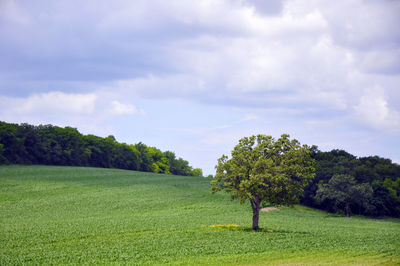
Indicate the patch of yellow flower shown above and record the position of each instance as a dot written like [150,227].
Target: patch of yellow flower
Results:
[224,225]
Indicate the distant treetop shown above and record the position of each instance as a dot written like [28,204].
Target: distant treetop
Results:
[53,145]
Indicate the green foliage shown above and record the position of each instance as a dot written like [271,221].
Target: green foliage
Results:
[178,166]
[52,145]
[92,216]
[197,172]
[265,169]
[3,160]
[379,173]
[344,191]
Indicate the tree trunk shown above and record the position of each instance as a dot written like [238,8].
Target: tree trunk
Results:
[347,209]
[255,205]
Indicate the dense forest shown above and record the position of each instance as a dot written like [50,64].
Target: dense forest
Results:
[373,184]
[53,145]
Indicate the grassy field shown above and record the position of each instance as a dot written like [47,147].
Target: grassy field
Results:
[72,215]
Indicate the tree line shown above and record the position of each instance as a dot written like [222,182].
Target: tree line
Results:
[342,183]
[53,145]
[358,185]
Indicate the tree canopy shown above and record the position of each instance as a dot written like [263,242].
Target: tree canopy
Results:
[344,191]
[264,169]
[52,145]
[380,174]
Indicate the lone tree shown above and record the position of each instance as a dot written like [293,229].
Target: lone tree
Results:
[265,169]
[344,191]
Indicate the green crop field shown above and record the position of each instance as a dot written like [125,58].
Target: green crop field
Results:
[72,215]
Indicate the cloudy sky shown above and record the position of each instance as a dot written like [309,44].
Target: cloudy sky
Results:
[195,76]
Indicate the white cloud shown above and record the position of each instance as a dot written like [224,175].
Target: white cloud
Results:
[54,102]
[380,61]
[57,108]
[373,109]
[363,24]
[311,56]
[118,108]
[211,50]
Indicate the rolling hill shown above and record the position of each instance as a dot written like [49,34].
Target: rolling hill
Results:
[78,215]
